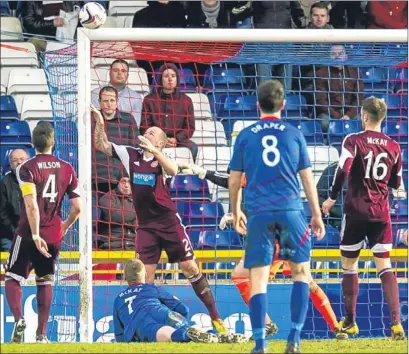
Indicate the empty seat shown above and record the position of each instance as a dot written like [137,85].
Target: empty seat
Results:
[15,54]
[15,133]
[36,107]
[54,45]
[214,158]
[237,106]
[125,8]
[8,108]
[311,130]
[11,30]
[322,156]
[222,79]
[187,80]
[220,239]
[209,133]
[138,80]
[200,214]
[5,157]
[189,188]
[397,130]
[295,107]
[179,154]
[340,128]
[5,9]
[99,77]
[238,126]
[25,82]
[111,22]
[375,79]
[201,105]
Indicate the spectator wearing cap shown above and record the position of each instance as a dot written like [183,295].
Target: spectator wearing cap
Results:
[387,14]
[129,100]
[10,200]
[170,110]
[121,129]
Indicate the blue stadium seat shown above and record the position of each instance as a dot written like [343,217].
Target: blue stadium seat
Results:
[295,107]
[375,79]
[189,187]
[399,209]
[405,156]
[5,152]
[222,79]
[311,129]
[331,239]
[239,107]
[200,214]
[5,8]
[15,133]
[339,128]
[8,108]
[397,130]
[397,233]
[220,239]
[194,235]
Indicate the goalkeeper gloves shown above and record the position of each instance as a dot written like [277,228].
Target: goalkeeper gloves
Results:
[191,169]
[226,219]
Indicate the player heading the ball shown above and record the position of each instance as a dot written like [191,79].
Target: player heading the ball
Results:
[44,180]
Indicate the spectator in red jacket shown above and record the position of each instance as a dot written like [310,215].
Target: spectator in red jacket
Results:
[388,14]
[170,110]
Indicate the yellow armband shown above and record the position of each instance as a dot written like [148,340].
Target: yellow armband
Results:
[28,189]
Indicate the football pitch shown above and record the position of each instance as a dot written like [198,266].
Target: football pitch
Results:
[375,345]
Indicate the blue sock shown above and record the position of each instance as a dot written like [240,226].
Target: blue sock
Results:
[180,335]
[299,307]
[258,310]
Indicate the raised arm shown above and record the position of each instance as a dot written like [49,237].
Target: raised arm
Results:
[101,140]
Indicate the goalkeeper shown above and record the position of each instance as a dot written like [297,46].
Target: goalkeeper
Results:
[241,275]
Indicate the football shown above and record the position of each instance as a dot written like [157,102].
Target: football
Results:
[92,15]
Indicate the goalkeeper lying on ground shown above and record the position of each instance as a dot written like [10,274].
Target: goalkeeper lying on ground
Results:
[147,313]
[241,276]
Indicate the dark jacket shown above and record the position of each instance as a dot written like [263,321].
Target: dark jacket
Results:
[10,201]
[32,18]
[338,91]
[156,14]
[122,130]
[276,14]
[388,14]
[173,113]
[196,18]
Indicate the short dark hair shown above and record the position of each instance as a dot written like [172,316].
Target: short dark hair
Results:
[108,89]
[43,136]
[121,61]
[270,96]
[375,108]
[320,5]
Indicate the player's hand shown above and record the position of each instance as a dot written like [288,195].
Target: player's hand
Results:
[318,227]
[327,205]
[58,22]
[191,169]
[240,223]
[41,246]
[172,142]
[64,228]
[97,115]
[226,220]
[145,144]
[405,237]
[345,117]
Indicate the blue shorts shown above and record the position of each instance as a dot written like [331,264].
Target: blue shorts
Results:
[288,227]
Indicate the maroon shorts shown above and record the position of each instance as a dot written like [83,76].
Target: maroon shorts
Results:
[167,235]
[24,256]
[354,232]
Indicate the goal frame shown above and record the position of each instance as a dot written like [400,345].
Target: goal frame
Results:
[84,38]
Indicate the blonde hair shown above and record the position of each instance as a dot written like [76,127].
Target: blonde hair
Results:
[134,270]
[375,108]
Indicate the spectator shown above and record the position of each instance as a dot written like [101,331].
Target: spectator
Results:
[117,223]
[387,14]
[170,110]
[129,100]
[209,14]
[319,16]
[121,129]
[276,14]
[10,199]
[161,13]
[305,6]
[41,18]
[338,89]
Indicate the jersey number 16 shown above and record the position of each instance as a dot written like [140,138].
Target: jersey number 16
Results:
[377,166]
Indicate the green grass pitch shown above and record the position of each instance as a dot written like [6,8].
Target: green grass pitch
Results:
[375,345]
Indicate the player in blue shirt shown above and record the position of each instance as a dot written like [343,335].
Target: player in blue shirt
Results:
[147,313]
[271,153]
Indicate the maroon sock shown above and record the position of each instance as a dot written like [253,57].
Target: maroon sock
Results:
[13,295]
[44,298]
[201,287]
[391,292]
[350,290]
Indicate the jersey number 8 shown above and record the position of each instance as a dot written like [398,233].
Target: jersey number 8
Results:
[269,143]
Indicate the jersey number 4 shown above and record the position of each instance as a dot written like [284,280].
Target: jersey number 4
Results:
[49,190]
[270,150]
[379,169]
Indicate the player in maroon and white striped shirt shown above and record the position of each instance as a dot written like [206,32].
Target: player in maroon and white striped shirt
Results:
[372,162]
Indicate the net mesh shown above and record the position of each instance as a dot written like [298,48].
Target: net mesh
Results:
[221,81]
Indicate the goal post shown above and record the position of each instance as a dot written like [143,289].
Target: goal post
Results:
[85,40]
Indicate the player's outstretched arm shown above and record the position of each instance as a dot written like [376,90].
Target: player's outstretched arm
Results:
[101,140]
[75,212]
[307,179]
[218,178]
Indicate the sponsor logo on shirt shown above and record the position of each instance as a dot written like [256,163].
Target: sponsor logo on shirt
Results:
[145,179]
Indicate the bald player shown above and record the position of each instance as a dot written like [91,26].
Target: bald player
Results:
[160,227]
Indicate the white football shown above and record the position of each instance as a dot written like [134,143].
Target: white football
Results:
[92,15]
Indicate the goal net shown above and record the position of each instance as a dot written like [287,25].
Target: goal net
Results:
[326,77]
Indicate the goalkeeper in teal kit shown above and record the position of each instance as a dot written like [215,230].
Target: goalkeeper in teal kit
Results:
[271,153]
